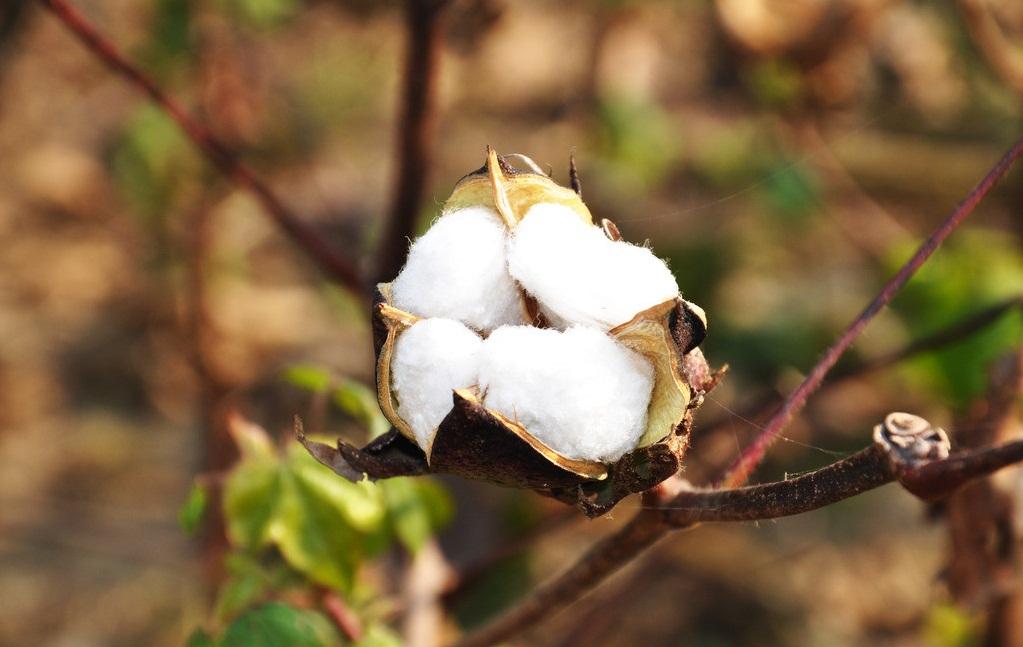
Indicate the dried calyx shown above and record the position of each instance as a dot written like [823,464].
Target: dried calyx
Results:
[523,345]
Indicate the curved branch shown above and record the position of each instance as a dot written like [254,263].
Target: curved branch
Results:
[740,470]
[913,460]
[326,258]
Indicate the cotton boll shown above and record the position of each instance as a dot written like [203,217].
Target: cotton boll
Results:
[579,275]
[431,359]
[458,270]
[580,392]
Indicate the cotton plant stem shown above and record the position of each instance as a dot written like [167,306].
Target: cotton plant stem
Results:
[333,265]
[415,137]
[865,470]
[740,470]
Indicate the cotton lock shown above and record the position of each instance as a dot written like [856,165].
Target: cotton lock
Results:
[458,270]
[431,359]
[579,392]
[579,275]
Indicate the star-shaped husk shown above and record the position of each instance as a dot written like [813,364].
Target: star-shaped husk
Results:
[477,443]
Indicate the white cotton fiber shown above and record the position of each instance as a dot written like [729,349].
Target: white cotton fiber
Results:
[579,275]
[580,392]
[458,270]
[431,359]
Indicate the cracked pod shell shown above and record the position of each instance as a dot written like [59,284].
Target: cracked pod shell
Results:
[477,443]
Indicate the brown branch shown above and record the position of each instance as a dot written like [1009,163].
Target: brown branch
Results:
[343,617]
[601,560]
[915,458]
[947,336]
[326,258]
[416,136]
[743,466]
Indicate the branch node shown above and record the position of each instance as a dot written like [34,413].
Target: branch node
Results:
[910,442]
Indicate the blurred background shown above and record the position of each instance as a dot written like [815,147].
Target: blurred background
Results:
[786,157]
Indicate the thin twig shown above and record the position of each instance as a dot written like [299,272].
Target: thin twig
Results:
[329,261]
[603,559]
[956,332]
[416,136]
[867,469]
[749,459]
[942,338]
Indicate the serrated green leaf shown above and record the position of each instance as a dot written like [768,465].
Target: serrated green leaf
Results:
[279,625]
[322,525]
[360,504]
[191,513]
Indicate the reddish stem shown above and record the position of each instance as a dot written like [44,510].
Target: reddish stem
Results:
[330,262]
[740,470]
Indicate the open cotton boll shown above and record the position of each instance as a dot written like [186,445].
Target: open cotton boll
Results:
[431,359]
[580,392]
[579,275]
[458,270]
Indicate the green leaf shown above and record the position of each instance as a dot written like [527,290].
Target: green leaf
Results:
[192,511]
[308,377]
[322,525]
[415,508]
[248,580]
[200,638]
[171,43]
[635,141]
[251,500]
[791,191]
[360,402]
[972,271]
[279,625]
[151,160]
